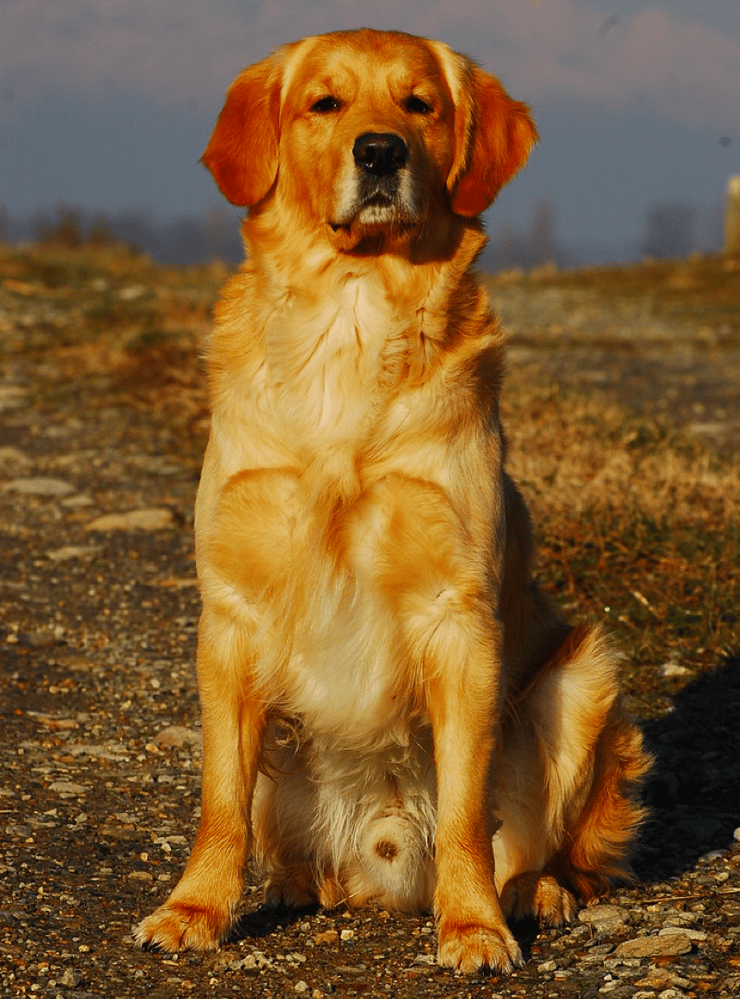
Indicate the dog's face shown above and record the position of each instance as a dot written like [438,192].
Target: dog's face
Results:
[376,126]
[364,132]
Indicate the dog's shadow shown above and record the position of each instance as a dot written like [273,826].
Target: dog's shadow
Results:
[265,920]
[693,792]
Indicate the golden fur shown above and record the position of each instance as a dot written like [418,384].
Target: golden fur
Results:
[390,704]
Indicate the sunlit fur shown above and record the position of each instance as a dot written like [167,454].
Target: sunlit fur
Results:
[393,712]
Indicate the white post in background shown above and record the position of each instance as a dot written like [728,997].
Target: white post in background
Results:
[732,217]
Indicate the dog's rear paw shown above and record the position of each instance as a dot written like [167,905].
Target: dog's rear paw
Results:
[533,894]
[176,927]
[470,948]
[293,888]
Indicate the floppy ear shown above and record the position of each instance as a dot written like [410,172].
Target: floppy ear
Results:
[242,153]
[493,136]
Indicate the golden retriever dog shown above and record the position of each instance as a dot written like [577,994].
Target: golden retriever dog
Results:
[393,712]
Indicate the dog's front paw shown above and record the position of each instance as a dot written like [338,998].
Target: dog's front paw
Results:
[470,948]
[176,927]
[532,894]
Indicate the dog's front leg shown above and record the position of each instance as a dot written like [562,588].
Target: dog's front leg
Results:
[462,703]
[425,560]
[202,907]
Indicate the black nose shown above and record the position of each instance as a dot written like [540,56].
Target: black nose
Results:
[380,152]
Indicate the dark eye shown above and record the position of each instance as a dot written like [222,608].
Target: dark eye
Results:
[325,105]
[416,106]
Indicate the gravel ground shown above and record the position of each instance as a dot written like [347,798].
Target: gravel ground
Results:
[100,764]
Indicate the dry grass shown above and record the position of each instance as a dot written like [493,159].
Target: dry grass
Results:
[703,290]
[635,524]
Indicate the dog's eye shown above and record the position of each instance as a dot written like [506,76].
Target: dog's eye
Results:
[325,105]
[416,106]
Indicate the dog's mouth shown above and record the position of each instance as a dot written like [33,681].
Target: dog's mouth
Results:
[377,211]
[380,203]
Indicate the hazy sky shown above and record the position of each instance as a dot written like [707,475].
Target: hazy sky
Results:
[109,103]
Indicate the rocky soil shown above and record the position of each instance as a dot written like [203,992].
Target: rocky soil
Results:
[102,427]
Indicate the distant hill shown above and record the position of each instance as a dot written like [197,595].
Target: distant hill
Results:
[671,231]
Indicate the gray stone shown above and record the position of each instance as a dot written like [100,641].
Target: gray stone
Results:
[654,946]
[148,519]
[39,486]
[604,917]
[178,736]
[68,788]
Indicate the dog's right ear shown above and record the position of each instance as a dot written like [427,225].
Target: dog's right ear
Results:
[242,153]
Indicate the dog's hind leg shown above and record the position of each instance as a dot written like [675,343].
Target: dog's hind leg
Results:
[283,814]
[566,778]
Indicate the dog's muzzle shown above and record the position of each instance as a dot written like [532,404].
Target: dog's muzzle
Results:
[381,192]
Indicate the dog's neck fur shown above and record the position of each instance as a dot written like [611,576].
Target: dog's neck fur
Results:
[377,288]
[322,343]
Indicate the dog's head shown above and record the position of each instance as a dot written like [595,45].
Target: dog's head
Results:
[368,132]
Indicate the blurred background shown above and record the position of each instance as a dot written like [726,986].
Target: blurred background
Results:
[106,107]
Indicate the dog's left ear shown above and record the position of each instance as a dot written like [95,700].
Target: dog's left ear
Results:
[493,138]
[242,153]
